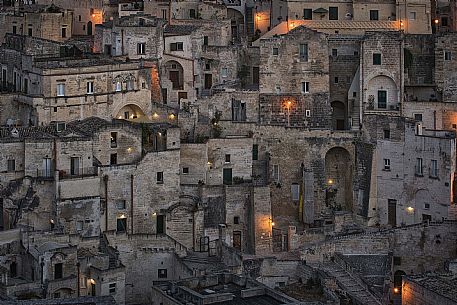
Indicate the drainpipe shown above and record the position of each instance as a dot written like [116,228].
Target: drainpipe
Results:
[434,120]
[122,41]
[131,203]
[105,179]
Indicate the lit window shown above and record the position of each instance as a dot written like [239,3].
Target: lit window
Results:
[118,86]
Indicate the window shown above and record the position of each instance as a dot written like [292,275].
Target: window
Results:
[336,80]
[90,87]
[162,273]
[419,167]
[164,14]
[386,133]
[434,169]
[14,29]
[11,165]
[120,204]
[447,55]
[185,170]
[74,166]
[61,89]
[112,288]
[79,225]
[295,190]
[30,31]
[308,113]
[382,99]
[412,15]
[387,164]
[113,159]
[118,86]
[238,111]
[308,14]
[205,40]
[26,86]
[255,152]
[236,220]
[130,85]
[113,140]
[224,72]
[141,48]
[376,59]
[176,46]
[275,51]
[58,271]
[304,51]
[374,15]
[192,13]
[64,32]
[354,94]
[227,158]
[276,173]
[305,87]
[159,177]
[397,260]
[418,117]
[79,18]
[121,224]
[444,21]
[333,13]
[427,206]
[47,165]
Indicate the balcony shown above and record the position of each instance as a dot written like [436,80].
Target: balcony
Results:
[78,173]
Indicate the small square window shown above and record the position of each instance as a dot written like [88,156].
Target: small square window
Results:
[236,220]
[162,273]
[412,15]
[334,52]
[120,204]
[374,15]
[275,51]
[112,288]
[386,133]
[397,260]
[55,109]
[185,170]
[418,117]
[227,158]
[159,177]
[427,206]
[354,94]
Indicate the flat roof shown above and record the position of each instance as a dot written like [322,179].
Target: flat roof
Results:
[442,284]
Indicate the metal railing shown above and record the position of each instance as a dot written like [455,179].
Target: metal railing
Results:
[78,172]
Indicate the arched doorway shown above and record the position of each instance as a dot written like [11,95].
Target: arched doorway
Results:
[338,115]
[237,24]
[382,93]
[130,112]
[398,277]
[175,73]
[338,174]
[89,28]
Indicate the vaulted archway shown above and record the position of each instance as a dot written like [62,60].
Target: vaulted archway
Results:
[338,174]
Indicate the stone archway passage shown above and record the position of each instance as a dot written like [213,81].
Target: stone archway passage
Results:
[338,174]
[130,112]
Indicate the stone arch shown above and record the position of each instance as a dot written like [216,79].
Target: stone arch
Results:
[382,93]
[174,72]
[338,175]
[130,112]
[64,292]
[398,277]
[339,115]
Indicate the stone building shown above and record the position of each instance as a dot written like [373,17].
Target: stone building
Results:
[41,21]
[63,90]
[428,289]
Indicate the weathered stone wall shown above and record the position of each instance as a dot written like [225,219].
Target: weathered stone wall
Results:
[445,68]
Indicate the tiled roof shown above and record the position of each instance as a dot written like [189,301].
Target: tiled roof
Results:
[180,29]
[444,285]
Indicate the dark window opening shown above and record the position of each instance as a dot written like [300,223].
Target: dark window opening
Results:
[113,159]
[162,273]
[377,59]
[58,271]
[308,14]
[159,177]
[374,15]
[333,13]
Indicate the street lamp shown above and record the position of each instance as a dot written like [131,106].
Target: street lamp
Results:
[288,105]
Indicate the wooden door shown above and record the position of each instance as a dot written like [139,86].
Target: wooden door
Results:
[237,240]
[160,224]
[208,81]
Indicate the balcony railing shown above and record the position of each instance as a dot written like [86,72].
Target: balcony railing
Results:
[45,173]
[78,172]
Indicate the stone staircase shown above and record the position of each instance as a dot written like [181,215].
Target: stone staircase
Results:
[113,255]
[351,284]
[201,263]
